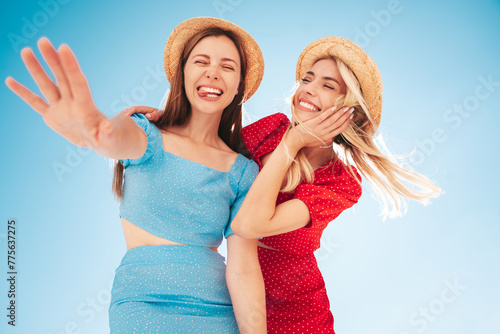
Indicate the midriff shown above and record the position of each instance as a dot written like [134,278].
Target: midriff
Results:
[136,237]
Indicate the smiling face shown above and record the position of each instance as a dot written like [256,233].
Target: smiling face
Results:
[212,74]
[318,89]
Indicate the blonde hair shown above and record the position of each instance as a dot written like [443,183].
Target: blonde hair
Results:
[391,181]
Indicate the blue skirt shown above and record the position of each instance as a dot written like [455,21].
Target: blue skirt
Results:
[171,289]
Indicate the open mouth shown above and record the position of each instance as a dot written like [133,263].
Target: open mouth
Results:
[309,106]
[205,91]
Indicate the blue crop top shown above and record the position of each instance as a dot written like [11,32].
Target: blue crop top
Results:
[181,200]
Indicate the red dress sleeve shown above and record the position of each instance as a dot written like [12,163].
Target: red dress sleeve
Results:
[334,190]
[263,136]
[330,194]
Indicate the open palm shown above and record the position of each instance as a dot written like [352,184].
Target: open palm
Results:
[322,129]
[69,108]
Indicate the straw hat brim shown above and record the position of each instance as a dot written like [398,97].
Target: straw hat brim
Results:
[358,61]
[187,29]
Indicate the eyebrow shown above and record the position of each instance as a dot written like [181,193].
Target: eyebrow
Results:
[324,78]
[208,57]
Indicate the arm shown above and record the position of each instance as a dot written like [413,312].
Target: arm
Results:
[259,216]
[246,285]
[70,109]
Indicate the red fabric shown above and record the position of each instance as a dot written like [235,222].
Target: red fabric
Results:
[296,300]
[295,291]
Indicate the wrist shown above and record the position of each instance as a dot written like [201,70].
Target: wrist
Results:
[292,143]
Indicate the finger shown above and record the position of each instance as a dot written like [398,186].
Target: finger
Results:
[152,114]
[341,124]
[78,84]
[50,55]
[155,115]
[34,101]
[317,122]
[341,118]
[337,115]
[43,81]
[127,112]
[338,118]
[137,110]
[326,115]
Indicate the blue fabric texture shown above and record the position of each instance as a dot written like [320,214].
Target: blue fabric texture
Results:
[181,200]
[177,288]
[171,289]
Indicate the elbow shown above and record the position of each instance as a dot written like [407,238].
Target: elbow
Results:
[245,229]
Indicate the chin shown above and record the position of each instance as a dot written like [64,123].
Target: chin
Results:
[305,115]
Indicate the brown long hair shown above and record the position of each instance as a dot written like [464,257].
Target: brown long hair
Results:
[178,109]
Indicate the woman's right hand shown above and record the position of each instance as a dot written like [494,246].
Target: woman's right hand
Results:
[152,114]
[322,129]
[70,109]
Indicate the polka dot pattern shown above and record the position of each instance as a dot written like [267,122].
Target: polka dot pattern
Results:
[181,200]
[170,288]
[295,291]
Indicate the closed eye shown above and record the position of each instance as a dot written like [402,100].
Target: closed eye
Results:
[305,80]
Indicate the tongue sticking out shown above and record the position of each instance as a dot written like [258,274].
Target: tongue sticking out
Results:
[204,92]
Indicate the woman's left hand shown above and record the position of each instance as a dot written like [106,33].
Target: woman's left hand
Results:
[320,130]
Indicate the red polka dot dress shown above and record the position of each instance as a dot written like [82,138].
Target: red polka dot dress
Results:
[295,290]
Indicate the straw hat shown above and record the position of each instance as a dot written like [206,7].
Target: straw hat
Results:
[358,61]
[187,29]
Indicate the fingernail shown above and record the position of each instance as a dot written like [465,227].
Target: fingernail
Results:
[333,108]
[148,115]
[346,108]
[25,49]
[351,116]
[352,109]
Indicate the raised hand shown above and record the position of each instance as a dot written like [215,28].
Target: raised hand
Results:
[320,130]
[68,109]
[152,114]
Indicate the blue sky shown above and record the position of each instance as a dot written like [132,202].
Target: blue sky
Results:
[435,270]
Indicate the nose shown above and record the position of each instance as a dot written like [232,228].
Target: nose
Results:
[212,73]
[310,89]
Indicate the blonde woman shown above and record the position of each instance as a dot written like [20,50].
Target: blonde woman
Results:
[310,173]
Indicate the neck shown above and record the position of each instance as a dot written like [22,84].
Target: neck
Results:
[202,128]
[318,156]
